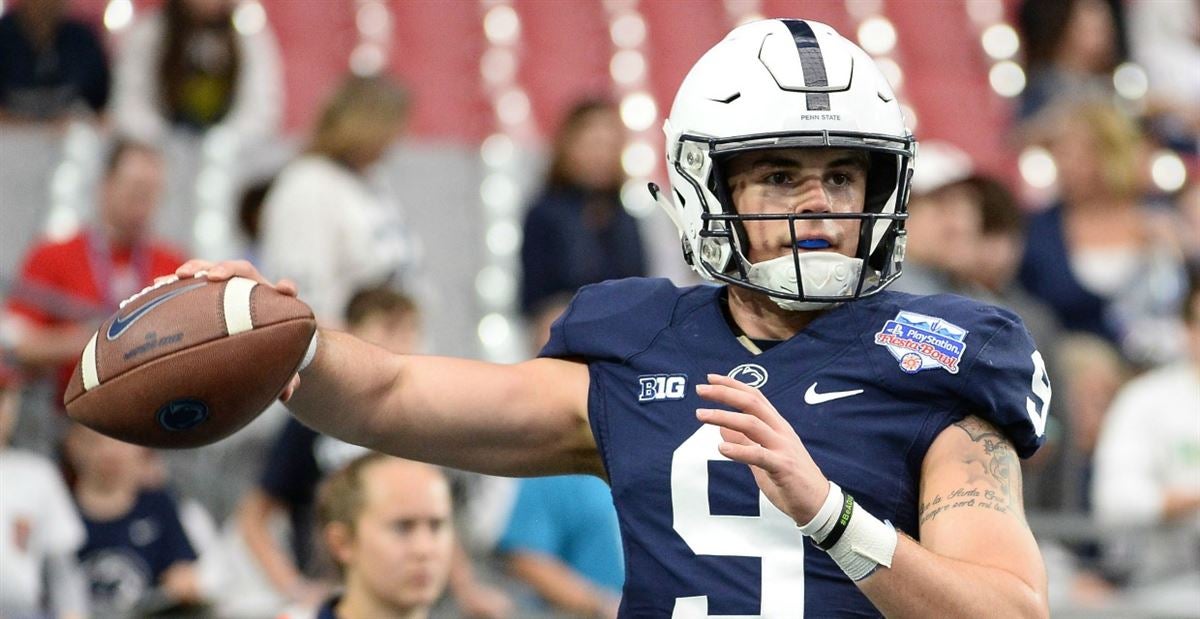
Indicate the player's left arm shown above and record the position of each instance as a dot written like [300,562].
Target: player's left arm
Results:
[977,556]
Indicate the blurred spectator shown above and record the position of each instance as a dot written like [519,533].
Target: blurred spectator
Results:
[187,66]
[1147,481]
[563,541]
[326,224]
[998,252]
[39,529]
[1165,40]
[1098,257]
[249,217]
[301,457]
[50,66]
[943,224]
[1071,49]
[67,288]
[1187,229]
[387,524]
[577,232]
[1091,374]
[137,556]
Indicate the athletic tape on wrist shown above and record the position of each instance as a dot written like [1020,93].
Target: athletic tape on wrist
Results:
[865,544]
[309,354]
[829,510]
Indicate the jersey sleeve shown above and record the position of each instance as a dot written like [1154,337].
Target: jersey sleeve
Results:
[1007,384]
[613,320]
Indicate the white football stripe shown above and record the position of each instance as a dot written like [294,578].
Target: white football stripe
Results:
[88,365]
[237,305]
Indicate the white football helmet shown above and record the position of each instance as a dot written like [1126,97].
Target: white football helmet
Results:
[785,83]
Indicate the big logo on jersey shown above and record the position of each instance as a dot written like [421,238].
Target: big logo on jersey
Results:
[658,387]
[921,342]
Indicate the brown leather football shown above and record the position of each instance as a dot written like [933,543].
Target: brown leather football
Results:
[188,363]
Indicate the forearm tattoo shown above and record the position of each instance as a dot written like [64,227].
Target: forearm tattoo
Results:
[994,476]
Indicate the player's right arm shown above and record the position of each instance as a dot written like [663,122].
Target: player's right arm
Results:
[524,419]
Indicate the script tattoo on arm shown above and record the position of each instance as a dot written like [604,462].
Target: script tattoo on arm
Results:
[993,475]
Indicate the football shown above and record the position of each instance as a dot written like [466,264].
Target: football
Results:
[188,362]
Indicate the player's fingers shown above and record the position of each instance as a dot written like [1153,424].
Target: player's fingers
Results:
[749,426]
[290,389]
[288,287]
[748,401]
[733,436]
[192,267]
[753,455]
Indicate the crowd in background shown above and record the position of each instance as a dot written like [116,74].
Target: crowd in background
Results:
[1100,271]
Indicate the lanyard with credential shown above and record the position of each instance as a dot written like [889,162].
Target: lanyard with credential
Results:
[103,270]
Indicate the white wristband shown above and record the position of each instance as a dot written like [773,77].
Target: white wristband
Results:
[866,544]
[823,520]
[309,354]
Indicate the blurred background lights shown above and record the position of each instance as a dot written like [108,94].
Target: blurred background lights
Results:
[1168,171]
[985,12]
[62,223]
[636,198]
[628,30]
[373,19]
[503,238]
[118,14]
[512,107]
[495,330]
[211,227]
[1130,81]
[497,150]
[877,36]
[250,17]
[1007,78]
[498,65]
[863,9]
[367,59]
[638,159]
[638,111]
[627,67]
[1037,167]
[495,286]
[1000,41]
[501,25]
[499,193]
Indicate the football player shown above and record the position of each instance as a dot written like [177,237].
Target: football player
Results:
[881,430]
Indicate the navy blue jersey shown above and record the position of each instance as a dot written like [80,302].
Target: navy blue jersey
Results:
[867,385]
[124,558]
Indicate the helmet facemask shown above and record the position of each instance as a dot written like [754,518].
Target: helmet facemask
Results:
[803,280]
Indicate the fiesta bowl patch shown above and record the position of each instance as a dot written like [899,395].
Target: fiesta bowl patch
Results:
[921,342]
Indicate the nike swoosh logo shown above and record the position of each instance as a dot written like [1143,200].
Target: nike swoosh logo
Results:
[811,396]
[121,325]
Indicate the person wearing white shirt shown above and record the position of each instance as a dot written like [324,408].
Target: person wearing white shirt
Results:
[188,66]
[327,223]
[1147,474]
[39,530]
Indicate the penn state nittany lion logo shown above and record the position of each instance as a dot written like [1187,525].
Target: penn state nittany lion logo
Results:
[752,374]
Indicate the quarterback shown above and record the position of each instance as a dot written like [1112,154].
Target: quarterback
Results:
[795,441]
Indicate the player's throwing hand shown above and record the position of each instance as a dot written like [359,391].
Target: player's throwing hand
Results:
[761,438]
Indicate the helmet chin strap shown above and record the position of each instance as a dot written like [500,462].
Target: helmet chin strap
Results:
[826,274]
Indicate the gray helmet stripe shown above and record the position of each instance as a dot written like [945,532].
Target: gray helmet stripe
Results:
[812,62]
